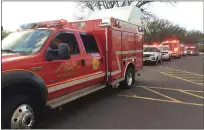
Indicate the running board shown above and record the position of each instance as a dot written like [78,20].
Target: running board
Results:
[73,96]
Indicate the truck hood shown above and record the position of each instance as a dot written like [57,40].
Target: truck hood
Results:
[164,51]
[6,57]
[149,53]
[14,61]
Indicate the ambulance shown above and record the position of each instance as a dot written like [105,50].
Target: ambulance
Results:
[174,46]
[52,63]
[192,49]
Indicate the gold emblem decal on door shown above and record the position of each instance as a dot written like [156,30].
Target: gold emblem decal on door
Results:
[95,64]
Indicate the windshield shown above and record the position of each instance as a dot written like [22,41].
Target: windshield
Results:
[190,48]
[149,49]
[165,43]
[27,41]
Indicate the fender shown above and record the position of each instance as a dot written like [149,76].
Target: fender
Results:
[18,76]
[127,66]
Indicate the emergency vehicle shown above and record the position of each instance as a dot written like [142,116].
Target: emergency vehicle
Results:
[183,50]
[192,49]
[174,46]
[93,53]
[165,51]
[151,54]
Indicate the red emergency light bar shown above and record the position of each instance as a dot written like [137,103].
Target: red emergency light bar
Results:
[171,41]
[46,24]
[190,47]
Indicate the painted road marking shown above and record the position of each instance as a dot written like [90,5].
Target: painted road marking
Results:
[161,100]
[179,90]
[179,77]
[184,74]
[197,80]
[171,100]
[174,89]
[193,77]
[192,94]
[181,70]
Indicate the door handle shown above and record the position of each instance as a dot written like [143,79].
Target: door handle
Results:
[83,63]
[101,59]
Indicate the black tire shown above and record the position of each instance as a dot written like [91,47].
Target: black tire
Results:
[156,62]
[124,84]
[160,61]
[169,58]
[12,104]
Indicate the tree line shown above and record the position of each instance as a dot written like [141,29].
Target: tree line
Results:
[160,29]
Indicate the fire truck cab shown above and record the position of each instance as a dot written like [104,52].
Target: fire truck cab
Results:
[175,47]
[54,62]
[192,49]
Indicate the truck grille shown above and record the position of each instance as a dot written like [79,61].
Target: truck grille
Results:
[146,55]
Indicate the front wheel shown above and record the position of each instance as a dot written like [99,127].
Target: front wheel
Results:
[169,57]
[129,78]
[160,61]
[156,62]
[19,113]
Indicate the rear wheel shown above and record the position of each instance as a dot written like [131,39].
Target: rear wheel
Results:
[129,78]
[179,56]
[19,112]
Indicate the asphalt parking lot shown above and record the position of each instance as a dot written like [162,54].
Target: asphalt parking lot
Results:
[170,95]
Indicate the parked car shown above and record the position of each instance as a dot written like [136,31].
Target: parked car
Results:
[165,51]
[185,51]
[152,54]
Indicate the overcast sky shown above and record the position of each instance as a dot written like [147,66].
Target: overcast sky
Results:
[186,14]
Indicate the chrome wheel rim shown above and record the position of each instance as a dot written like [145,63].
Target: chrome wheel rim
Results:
[129,78]
[23,117]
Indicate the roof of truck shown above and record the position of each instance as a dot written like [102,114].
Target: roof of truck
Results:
[130,14]
[53,29]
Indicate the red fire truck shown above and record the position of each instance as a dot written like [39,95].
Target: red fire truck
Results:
[54,62]
[175,47]
[192,49]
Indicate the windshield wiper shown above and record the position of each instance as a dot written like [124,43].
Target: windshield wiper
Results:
[9,50]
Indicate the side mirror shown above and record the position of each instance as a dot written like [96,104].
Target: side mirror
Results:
[141,29]
[63,51]
[51,55]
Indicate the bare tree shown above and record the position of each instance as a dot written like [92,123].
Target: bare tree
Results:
[99,5]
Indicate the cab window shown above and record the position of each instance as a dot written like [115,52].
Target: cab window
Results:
[89,43]
[69,39]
